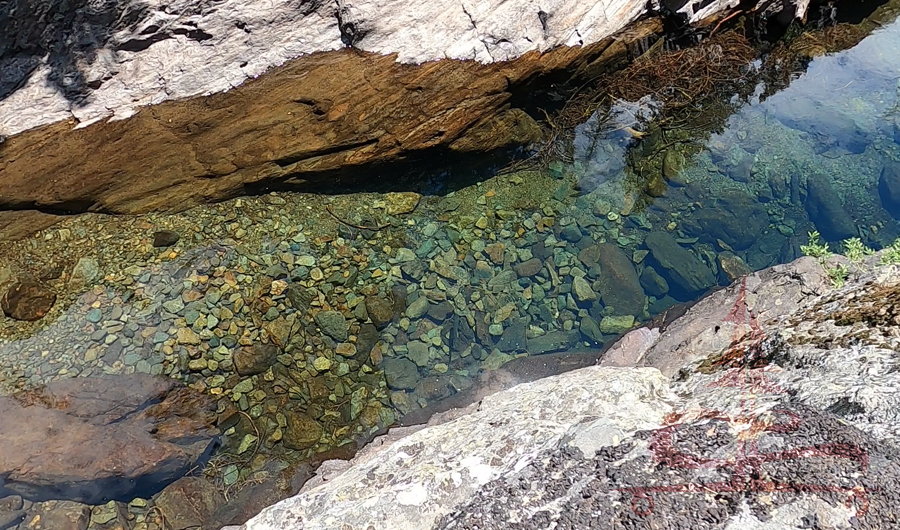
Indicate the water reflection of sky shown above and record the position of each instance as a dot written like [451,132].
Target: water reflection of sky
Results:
[843,100]
[845,96]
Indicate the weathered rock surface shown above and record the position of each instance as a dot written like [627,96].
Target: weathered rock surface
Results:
[801,389]
[131,54]
[92,439]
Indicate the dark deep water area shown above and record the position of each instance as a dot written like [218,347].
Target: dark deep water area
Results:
[303,324]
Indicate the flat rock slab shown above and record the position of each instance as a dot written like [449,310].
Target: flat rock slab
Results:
[95,439]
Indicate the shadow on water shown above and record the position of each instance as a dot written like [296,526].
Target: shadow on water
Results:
[436,171]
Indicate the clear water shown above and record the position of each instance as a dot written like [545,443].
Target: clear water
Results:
[267,305]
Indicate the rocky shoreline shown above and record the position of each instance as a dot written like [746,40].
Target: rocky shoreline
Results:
[773,349]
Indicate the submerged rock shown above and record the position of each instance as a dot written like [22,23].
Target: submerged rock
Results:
[616,324]
[552,342]
[27,300]
[92,439]
[190,502]
[165,238]
[417,308]
[582,290]
[732,265]
[889,188]
[513,338]
[302,432]
[734,216]
[333,324]
[60,514]
[821,120]
[380,309]
[673,164]
[401,203]
[683,268]
[255,359]
[653,283]
[825,209]
[529,268]
[400,374]
[591,330]
[85,272]
[620,288]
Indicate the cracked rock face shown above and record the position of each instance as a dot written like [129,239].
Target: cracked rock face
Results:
[786,421]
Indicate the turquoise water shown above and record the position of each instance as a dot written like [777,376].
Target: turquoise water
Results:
[306,323]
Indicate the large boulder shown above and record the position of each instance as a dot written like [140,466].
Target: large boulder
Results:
[414,482]
[244,94]
[684,269]
[95,439]
[241,95]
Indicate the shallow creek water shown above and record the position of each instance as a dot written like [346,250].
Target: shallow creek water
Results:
[309,322]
